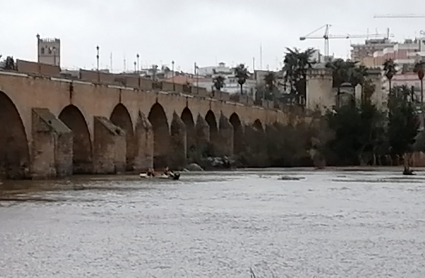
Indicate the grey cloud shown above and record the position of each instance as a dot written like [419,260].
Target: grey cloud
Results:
[191,30]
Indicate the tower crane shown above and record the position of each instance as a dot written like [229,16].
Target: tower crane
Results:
[405,16]
[399,16]
[327,37]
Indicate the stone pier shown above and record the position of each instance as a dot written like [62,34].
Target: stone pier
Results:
[51,146]
[144,144]
[202,134]
[109,147]
[225,137]
[178,143]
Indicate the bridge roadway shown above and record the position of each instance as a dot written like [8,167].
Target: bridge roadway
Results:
[52,127]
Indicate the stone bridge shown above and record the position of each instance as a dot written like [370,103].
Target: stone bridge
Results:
[53,127]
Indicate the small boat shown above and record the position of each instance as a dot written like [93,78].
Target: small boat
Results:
[145,176]
[408,172]
[172,176]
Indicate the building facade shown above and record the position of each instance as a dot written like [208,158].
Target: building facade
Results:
[205,79]
[363,52]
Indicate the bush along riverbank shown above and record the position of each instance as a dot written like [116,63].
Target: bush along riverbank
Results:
[352,135]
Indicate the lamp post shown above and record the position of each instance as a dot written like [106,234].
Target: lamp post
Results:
[97,57]
[197,79]
[138,70]
[138,64]
[135,67]
[172,72]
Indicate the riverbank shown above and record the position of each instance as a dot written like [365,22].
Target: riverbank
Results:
[79,182]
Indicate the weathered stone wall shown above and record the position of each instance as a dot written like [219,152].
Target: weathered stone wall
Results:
[178,148]
[418,159]
[51,146]
[144,144]
[37,68]
[202,134]
[320,95]
[90,101]
[109,147]
[225,137]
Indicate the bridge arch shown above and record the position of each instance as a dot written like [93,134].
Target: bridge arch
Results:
[214,135]
[161,135]
[238,133]
[212,122]
[121,117]
[14,151]
[258,125]
[82,159]
[187,118]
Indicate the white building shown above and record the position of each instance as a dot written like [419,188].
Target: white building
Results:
[49,51]
[206,76]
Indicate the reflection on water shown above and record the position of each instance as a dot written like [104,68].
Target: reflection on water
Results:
[280,224]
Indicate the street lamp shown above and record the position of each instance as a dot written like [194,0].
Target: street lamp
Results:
[172,72]
[97,57]
[137,56]
[135,67]
[138,70]
[197,79]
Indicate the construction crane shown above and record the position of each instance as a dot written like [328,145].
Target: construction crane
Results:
[327,37]
[399,16]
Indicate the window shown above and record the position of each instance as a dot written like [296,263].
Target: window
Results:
[42,50]
[50,50]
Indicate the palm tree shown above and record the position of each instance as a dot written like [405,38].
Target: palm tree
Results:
[347,71]
[390,69]
[270,82]
[420,70]
[241,73]
[358,75]
[402,92]
[218,82]
[10,63]
[296,66]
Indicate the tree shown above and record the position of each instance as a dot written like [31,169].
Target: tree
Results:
[420,70]
[270,81]
[296,66]
[390,69]
[403,123]
[10,63]
[347,71]
[241,73]
[218,82]
[358,131]
[368,90]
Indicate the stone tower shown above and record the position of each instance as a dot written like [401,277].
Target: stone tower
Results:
[320,95]
[48,51]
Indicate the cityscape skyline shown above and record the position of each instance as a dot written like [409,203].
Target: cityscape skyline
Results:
[206,33]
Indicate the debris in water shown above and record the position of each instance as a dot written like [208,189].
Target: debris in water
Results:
[286,178]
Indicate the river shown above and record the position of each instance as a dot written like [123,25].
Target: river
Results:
[321,224]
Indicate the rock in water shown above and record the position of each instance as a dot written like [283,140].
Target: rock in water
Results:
[194,168]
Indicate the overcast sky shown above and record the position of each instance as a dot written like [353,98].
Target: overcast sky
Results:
[188,31]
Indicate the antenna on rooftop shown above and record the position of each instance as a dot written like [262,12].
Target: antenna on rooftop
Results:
[261,56]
